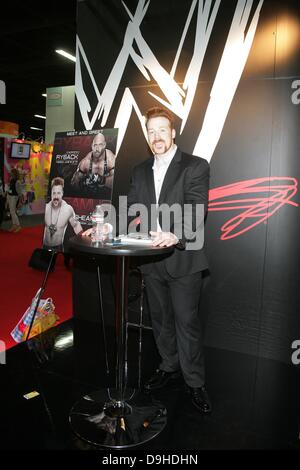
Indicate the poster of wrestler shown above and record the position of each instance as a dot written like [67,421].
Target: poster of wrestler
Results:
[81,176]
[86,162]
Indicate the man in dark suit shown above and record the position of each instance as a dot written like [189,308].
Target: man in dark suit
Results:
[173,283]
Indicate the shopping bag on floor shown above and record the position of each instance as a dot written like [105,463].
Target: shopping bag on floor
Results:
[45,318]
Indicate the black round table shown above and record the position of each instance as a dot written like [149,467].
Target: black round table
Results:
[117,418]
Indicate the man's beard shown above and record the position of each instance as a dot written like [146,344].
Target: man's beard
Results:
[56,202]
[98,154]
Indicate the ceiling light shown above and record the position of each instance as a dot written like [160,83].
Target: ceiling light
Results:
[39,116]
[66,54]
[36,128]
[44,94]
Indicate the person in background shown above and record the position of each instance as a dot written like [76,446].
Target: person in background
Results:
[14,192]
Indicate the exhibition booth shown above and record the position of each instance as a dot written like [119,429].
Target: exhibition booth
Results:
[229,72]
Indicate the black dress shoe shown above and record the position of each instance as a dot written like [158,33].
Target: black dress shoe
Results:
[160,379]
[200,399]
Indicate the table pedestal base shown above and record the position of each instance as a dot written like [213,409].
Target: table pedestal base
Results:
[102,420]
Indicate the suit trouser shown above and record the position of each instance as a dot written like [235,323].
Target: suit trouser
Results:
[174,310]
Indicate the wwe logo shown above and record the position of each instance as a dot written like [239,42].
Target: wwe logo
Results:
[178,98]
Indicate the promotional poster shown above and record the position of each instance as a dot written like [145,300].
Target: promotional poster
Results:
[228,71]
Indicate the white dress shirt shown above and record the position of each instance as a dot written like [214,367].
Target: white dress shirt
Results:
[160,167]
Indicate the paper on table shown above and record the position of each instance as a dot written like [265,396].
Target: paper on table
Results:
[135,239]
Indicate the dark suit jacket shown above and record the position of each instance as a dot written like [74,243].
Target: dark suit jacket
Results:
[186,182]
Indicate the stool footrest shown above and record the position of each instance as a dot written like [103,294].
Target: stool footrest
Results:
[137,325]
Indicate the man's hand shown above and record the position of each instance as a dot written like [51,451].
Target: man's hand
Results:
[87,232]
[164,239]
[107,229]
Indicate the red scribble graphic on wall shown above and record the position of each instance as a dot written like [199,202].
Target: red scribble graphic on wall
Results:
[260,198]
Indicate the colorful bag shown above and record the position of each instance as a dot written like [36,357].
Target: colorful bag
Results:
[45,318]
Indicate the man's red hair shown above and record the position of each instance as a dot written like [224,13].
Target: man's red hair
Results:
[156,111]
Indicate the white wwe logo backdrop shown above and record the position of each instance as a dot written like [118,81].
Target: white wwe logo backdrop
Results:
[178,99]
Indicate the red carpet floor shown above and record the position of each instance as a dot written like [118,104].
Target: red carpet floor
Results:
[19,282]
